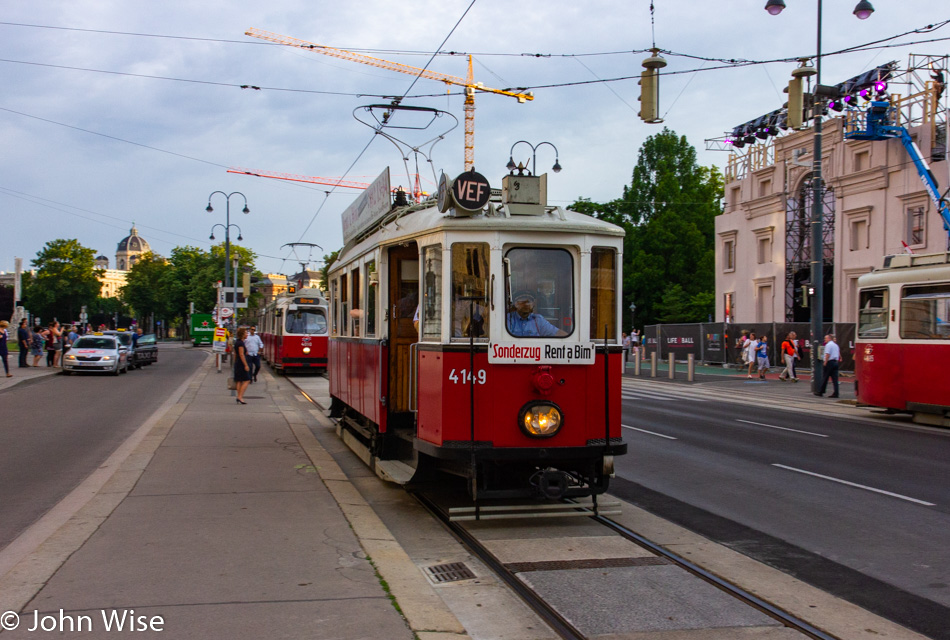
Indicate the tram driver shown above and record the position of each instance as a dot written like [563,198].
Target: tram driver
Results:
[523,322]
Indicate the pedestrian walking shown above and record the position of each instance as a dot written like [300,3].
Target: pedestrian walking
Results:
[748,350]
[832,361]
[742,356]
[254,344]
[627,343]
[23,341]
[4,349]
[242,368]
[36,345]
[762,357]
[789,355]
[54,344]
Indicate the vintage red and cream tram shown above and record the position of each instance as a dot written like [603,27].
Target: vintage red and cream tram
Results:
[903,337]
[479,340]
[294,329]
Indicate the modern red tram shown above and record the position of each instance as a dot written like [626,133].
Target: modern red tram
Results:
[903,337]
[481,342]
[294,330]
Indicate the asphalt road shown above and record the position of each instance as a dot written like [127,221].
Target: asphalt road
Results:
[858,509]
[58,429]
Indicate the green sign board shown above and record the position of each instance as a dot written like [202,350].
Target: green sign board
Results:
[202,328]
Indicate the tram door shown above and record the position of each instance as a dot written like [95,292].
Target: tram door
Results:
[403,302]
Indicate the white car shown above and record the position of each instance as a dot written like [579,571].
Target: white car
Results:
[97,352]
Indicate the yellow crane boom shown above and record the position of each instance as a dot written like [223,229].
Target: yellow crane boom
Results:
[470,85]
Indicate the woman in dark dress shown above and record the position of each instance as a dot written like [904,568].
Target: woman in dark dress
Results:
[242,370]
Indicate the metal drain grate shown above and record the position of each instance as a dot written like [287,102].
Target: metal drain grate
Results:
[451,572]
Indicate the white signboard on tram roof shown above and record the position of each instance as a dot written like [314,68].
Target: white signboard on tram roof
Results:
[541,352]
[368,208]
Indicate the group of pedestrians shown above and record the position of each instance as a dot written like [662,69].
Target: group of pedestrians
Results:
[247,360]
[53,340]
[754,354]
[631,345]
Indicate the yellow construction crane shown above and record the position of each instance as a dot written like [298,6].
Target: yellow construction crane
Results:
[470,85]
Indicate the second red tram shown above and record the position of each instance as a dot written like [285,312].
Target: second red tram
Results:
[294,329]
[484,343]
[903,337]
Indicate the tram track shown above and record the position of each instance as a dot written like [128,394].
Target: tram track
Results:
[561,625]
[558,622]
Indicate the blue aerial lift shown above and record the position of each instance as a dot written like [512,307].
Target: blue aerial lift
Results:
[878,126]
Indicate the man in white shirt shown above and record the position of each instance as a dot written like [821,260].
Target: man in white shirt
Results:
[831,361]
[253,345]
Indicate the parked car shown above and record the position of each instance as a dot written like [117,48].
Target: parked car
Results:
[97,352]
[145,351]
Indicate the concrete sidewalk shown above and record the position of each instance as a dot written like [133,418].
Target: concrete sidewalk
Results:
[226,521]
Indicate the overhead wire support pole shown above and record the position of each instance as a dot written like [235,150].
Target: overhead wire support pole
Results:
[817,232]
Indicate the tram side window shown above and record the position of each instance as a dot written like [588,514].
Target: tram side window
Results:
[539,292]
[872,313]
[372,284]
[431,312]
[356,312]
[603,294]
[470,290]
[925,312]
[335,305]
[344,306]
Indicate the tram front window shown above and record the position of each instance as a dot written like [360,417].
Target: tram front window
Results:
[540,290]
[305,321]
[470,286]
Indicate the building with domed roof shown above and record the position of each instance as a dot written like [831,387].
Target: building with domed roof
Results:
[127,253]
[130,249]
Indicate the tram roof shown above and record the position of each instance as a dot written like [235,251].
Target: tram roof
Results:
[909,268]
[406,223]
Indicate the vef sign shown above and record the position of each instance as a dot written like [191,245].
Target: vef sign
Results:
[471,191]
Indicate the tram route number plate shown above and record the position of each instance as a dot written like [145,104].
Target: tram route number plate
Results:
[541,352]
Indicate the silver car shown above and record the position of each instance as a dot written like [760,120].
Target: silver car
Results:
[97,352]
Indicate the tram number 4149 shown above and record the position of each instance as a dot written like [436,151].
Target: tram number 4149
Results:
[464,376]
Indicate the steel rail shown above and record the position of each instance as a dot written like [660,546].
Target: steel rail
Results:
[558,623]
[754,601]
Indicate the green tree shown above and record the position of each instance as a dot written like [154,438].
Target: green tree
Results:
[668,212]
[325,269]
[145,287]
[66,279]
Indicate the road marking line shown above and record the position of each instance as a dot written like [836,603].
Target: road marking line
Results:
[772,426]
[660,435]
[854,484]
[626,393]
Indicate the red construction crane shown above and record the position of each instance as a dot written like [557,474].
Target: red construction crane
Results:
[470,85]
[417,192]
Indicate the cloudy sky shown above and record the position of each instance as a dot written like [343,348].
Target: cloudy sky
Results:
[122,111]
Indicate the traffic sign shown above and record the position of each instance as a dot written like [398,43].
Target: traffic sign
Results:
[227,312]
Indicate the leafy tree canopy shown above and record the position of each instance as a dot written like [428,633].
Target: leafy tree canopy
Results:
[668,212]
[65,280]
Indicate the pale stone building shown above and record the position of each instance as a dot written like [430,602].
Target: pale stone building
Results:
[875,204]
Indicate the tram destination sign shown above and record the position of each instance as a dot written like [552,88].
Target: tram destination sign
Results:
[541,352]
[368,209]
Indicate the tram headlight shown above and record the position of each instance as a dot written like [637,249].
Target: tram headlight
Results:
[539,419]
[306,349]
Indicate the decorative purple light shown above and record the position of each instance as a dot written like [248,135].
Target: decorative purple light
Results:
[880,86]
[865,93]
